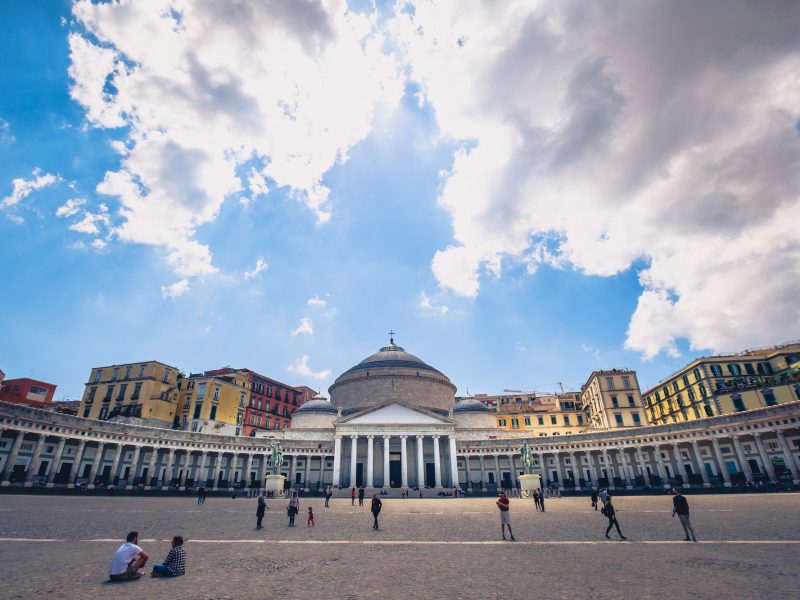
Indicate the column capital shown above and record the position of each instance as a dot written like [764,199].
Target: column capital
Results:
[780,433]
[354,436]
[436,436]
[420,436]
[756,434]
[338,437]
[370,437]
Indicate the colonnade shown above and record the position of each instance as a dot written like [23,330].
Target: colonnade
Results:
[416,452]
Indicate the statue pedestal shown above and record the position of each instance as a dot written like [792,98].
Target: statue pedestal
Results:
[274,483]
[530,482]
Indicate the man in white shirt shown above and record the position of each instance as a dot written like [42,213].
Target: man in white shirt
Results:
[128,559]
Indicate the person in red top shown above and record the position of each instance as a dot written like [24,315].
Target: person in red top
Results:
[353,496]
[503,504]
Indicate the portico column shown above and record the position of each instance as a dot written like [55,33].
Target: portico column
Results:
[79,457]
[353,459]
[626,476]
[721,467]
[115,463]
[679,460]
[483,473]
[200,476]
[576,471]
[186,468]
[454,461]
[151,467]
[170,463]
[53,470]
[513,470]
[762,451]
[642,468]
[743,464]
[293,470]
[134,466]
[262,468]
[387,482]
[496,471]
[337,460]
[595,470]
[561,471]
[788,456]
[248,468]
[609,470]
[98,460]
[370,461]
[420,463]
[437,465]
[403,462]
[307,473]
[700,465]
[37,452]
[8,469]
[662,472]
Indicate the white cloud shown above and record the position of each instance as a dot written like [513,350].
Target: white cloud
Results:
[71,207]
[306,327]
[205,88]
[595,137]
[593,352]
[430,308]
[175,290]
[6,135]
[316,302]
[300,367]
[260,266]
[22,188]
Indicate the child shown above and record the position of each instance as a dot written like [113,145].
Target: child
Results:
[175,563]
[311,521]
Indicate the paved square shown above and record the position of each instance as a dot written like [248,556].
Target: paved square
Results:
[431,548]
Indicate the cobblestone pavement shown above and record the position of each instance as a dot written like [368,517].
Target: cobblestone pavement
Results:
[749,546]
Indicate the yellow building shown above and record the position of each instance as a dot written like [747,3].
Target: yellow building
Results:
[725,384]
[612,399]
[548,415]
[214,402]
[142,393]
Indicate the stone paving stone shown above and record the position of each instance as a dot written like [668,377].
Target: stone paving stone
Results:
[229,558]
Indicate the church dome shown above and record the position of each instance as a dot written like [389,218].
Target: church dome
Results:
[317,404]
[392,374]
[470,404]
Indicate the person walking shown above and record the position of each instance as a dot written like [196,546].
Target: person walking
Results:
[503,503]
[376,509]
[311,521]
[536,501]
[603,495]
[361,492]
[294,508]
[609,512]
[328,494]
[199,495]
[680,506]
[541,499]
[262,506]
[594,496]
[353,497]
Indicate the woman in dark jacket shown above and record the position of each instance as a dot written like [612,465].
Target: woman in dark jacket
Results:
[376,509]
[611,515]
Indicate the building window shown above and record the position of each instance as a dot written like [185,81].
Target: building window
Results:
[201,391]
[580,419]
[618,418]
[636,419]
[696,373]
[626,383]
[541,419]
[109,393]
[515,423]
[738,404]
[97,375]
[167,373]
[197,408]
[734,369]
[141,370]
[115,374]
[213,414]
[501,422]
[686,380]
[216,392]
[136,389]
[566,420]
[103,413]
[127,372]
[716,370]
[769,397]
[122,389]
[527,421]
[92,392]
[748,368]
[614,402]
[553,420]
[630,400]
[610,383]
[707,408]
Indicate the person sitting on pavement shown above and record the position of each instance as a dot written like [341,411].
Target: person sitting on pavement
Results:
[128,559]
[175,563]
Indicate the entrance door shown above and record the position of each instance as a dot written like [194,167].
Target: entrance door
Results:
[359,474]
[43,468]
[395,473]
[430,474]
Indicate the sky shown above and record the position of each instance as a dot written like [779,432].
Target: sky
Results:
[523,191]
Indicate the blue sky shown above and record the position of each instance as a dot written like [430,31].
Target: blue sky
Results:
[516,226]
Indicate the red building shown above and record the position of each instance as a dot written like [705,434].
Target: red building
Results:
[271,402]
[27,391]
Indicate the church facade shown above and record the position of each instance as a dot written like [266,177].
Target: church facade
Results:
[393,421]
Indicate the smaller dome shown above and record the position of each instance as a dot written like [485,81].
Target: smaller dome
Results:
[317,404]
[470,405]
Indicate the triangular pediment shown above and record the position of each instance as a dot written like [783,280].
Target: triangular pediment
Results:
[395,413]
